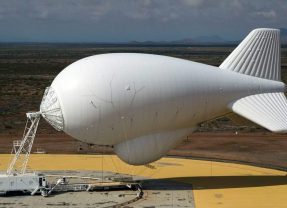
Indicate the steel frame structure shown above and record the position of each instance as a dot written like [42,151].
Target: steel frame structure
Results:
[20,160]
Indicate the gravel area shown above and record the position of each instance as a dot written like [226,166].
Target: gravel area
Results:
[157,193]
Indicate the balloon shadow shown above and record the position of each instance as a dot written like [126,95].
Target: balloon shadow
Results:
[213,182]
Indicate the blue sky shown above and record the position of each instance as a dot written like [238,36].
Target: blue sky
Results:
[135,20]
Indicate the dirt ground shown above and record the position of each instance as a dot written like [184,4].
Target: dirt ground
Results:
[263,149]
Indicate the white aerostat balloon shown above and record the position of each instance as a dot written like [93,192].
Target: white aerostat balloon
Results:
[144,105]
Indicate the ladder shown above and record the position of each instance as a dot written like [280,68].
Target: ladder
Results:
[19,162]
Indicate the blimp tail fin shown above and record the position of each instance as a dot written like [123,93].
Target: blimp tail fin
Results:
[268,110]
[257,55]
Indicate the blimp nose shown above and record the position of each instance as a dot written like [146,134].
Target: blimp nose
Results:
[50,109]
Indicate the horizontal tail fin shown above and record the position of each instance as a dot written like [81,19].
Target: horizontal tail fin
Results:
[257,55]
[268,110]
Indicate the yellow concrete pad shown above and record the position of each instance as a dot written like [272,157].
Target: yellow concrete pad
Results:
[215,184]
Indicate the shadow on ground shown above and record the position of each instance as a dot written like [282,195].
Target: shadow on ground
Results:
[214,182]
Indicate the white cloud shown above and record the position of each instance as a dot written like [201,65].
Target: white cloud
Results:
[192,2]
[138,19]
[266,14]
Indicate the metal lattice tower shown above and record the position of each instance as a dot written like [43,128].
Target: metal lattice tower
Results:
[19,162]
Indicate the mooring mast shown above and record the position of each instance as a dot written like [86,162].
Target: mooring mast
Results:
[19,162]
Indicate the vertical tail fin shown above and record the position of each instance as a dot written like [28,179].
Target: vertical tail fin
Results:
[257,55]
